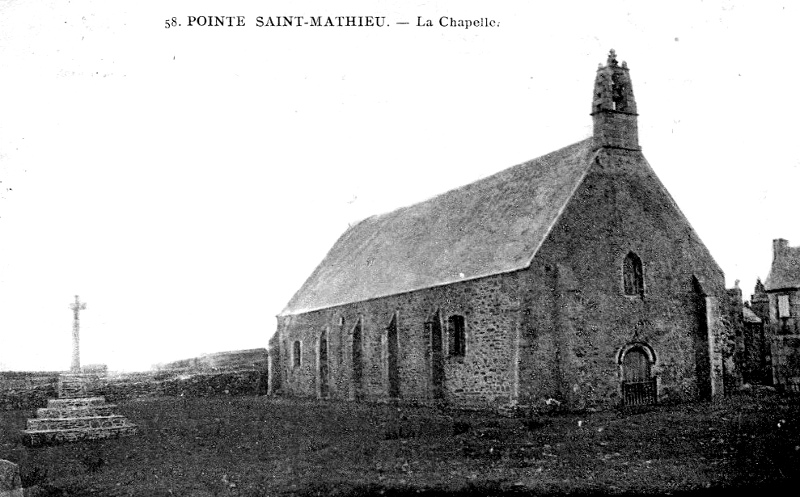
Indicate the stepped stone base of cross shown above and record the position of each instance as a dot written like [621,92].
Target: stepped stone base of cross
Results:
[78,414]
[10,481]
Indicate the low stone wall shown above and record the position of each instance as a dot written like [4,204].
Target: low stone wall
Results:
[158,384]
[30,390]
[27,389]
[228,360]
[249,382]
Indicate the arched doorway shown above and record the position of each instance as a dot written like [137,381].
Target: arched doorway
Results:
[639,385]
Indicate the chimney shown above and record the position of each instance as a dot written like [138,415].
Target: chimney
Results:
[779,246]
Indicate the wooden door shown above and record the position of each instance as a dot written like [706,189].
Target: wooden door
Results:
[638,388]
[635,366]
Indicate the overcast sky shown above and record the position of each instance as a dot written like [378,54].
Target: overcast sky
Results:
[186,181]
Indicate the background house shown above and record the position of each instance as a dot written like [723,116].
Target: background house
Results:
[782,288]
[756,358]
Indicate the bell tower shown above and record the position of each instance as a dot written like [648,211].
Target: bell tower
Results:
[614,108]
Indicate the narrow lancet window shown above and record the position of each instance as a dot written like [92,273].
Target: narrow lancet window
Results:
[632,275]
[457,336]
[296,354]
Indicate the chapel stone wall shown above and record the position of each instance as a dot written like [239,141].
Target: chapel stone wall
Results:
[580,318]
[483,376]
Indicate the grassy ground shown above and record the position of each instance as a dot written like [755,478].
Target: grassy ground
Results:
[259,446]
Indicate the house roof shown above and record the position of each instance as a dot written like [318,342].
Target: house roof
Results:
[750,316]
[491,226]
[785,270]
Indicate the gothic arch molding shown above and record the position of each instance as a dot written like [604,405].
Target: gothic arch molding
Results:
[643,346]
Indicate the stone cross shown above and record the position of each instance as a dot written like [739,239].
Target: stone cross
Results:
[77,307]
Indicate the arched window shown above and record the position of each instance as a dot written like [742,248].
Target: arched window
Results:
[323,344]
[340,341]
[296,354]
[322,357]
[632,275]
[357,358]
[457,338]
[392,358]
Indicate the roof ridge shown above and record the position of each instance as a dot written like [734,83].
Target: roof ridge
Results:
[477,181]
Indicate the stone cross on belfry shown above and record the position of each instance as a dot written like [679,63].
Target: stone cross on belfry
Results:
[77,307]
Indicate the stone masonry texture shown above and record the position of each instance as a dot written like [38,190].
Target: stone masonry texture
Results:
[555,328]
[10,480]
[32,390]
[575,328]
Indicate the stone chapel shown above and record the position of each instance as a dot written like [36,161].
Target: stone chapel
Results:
[573,276]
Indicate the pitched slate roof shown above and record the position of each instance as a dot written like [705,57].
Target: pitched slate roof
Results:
[785,270]
[491,226]
[749,316]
